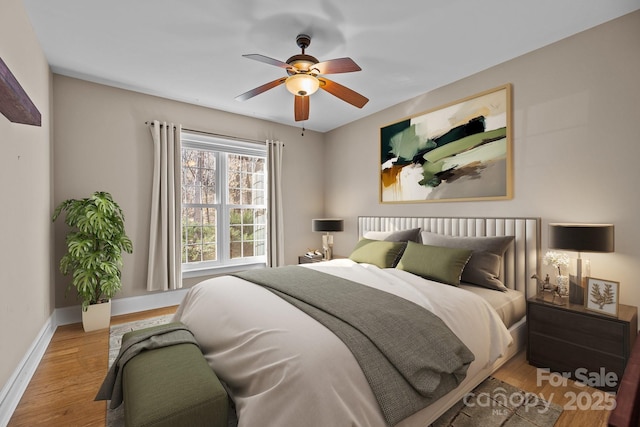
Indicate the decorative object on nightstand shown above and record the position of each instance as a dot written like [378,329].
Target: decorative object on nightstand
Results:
[548,292]
[560,285]
[327,225]
[580,238]
[312,255]
[601,296]
[541,285]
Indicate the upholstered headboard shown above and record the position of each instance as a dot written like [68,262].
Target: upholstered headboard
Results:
[520,260]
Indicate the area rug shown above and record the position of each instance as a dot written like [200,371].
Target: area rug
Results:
[493,403]
[496,403]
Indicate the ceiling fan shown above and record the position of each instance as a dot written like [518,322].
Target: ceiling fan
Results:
[305,77]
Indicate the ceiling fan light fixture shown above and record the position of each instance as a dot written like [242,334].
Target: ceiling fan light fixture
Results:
[302,84]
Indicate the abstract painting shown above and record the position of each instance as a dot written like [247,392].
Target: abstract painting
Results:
[458,152]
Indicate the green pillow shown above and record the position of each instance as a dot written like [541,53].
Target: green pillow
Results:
[483,268]
[435,262]
[378,252]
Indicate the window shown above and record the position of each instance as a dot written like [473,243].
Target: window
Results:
[223,203]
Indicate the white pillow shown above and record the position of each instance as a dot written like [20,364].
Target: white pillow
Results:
[412,235]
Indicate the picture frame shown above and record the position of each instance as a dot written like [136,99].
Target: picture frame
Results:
[601,296]
[461,151]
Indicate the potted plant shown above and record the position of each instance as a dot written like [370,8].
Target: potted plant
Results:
[94,253]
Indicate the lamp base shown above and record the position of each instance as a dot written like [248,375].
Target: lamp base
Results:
[576,292]
[580,269]
[327,246]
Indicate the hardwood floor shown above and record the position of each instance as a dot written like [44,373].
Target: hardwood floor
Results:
[62,390]
[571,397]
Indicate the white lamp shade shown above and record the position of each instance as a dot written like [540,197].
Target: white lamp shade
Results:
[302,84]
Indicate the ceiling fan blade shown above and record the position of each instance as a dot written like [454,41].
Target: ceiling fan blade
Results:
[257,91]
[335,66]
[301,108]
[267,60]
[343,92]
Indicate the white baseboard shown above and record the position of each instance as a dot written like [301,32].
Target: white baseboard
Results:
[14,388]
[73,314]
[12,391]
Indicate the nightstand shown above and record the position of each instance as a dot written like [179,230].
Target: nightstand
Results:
[580,343]
[306,260]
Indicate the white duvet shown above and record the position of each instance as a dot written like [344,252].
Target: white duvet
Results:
[283,368]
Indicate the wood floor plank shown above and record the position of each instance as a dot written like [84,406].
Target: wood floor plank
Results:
[62,390]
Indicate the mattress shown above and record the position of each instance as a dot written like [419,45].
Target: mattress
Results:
[510,305]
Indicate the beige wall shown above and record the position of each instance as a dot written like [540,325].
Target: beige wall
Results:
[25,190]
[102,143]
[576,145]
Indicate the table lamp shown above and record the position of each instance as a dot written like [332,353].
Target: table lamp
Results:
[327,225]
[581,238]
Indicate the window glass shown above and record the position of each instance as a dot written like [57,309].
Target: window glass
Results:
[223,203]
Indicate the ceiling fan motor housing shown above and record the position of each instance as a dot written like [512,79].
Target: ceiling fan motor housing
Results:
[301,64]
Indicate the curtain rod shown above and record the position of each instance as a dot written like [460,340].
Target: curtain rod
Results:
[237,138]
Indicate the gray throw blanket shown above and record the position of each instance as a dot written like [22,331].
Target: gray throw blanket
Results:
[408,355]
[153,337]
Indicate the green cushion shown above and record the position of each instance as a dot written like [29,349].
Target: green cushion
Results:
[434,262]
[173,386]
[376,252]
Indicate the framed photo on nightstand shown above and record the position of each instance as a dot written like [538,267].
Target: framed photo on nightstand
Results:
[601,296]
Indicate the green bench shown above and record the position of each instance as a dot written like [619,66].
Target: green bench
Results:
[172,386]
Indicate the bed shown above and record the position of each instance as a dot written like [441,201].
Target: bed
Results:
[281,365]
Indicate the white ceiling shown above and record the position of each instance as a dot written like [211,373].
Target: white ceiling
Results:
[191,50]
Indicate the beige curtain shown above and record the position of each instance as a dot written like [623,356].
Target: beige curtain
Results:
[275,224]
[164,272]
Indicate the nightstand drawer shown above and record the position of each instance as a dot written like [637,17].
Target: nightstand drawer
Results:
[567,357]
[593,332]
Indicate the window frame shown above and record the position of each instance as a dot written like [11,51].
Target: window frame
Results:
[222,147]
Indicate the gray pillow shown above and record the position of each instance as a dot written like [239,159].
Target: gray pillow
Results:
[377,252]
[434,262]
[483,268]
